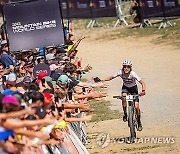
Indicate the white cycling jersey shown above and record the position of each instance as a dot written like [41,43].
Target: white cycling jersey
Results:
[129,81]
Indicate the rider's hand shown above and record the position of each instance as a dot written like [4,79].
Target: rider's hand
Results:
[143,93]
[97,79]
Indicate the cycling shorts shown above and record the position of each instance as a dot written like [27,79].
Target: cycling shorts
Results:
[131,90]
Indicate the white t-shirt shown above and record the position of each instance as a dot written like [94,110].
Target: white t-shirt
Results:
[129,81]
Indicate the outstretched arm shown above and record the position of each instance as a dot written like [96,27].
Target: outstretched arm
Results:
[75,45]
[108,78]
[16,113]
[13,124]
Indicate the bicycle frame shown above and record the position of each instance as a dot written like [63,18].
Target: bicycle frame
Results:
[132,121]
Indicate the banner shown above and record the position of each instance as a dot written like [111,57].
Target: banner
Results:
[79,9]
[75,9]
[172,8]
[159,8]
[83,9]
[33,24]
[103,8]
[64,9]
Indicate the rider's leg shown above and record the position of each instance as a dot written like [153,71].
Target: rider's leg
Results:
[124,105]
[138,113]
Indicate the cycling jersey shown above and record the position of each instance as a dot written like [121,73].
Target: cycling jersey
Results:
[129,81]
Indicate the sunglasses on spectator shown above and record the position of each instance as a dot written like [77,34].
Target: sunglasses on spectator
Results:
[5,45]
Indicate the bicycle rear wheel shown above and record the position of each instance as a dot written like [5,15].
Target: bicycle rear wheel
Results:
[131,122]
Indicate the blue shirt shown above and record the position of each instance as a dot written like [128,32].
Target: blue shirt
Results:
[7,60]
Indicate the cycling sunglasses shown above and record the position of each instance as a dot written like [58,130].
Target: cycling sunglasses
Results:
[126,66]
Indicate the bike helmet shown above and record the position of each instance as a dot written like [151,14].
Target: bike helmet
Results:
[127,62]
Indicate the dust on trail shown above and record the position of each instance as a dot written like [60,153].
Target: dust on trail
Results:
[158,65]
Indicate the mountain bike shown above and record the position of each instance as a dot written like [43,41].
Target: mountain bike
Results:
[132,117]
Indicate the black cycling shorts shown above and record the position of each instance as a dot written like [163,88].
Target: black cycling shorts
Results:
[131,90]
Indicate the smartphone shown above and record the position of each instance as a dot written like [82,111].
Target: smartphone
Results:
[59,109]
[3,79]
[76,110]
[62,106]
[43,82]
[84,90]
[56,99]
[53,107]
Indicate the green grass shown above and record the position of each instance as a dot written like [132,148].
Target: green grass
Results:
[103,112]
[84,79]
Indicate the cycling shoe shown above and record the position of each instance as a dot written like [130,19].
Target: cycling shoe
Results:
[139,128]
[125,117]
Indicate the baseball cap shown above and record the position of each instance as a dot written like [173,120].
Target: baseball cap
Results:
[50,56]
[48,98]
[3,42]
[41,112]
[49,48]
[27,79]
[63,79]
[50,81]
[41,75]
[11,79]
[10,100]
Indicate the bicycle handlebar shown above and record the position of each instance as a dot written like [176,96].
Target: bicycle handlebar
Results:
[120,97]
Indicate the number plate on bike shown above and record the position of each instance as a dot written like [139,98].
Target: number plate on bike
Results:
[129,98]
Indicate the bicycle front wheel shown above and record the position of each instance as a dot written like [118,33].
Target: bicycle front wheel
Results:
[131,122]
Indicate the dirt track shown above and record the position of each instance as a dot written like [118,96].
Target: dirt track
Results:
[158,65]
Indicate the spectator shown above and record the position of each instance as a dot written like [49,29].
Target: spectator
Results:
[135,9]
[6,59]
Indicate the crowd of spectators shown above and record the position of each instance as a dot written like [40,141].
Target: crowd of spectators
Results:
[37,110]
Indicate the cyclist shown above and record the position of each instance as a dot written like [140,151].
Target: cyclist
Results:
[129,78]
